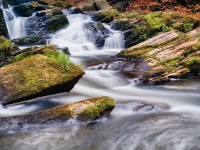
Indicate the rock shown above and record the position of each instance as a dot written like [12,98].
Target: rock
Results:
[96,33]
[3,27]
[43,23]
[82,112]
[138,107]
[94,5]
[18,2]
[121,6]
[105,16]
[29,40]
[172,51]
[6,48]
[37,73]
[27,9]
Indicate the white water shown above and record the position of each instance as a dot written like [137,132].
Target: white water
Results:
[15,25]
[174,127]
[78,39]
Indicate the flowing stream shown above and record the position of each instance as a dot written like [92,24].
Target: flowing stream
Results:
[175,126]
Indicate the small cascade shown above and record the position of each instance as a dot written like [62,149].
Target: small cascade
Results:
[15,25]
[77,38]
[74,36]
[115,41]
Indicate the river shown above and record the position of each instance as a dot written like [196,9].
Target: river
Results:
[174,125]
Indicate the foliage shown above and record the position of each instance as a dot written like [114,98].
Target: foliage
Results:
[5,47]
[165,28]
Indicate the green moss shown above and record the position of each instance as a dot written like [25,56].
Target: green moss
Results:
[47,50]
[193,63]
[109,15]
[101,104]
[155,21]
[6,47]
[57,22]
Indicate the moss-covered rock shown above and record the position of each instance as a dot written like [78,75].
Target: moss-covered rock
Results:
[173,52]
[56,21]
[82,112]
[31,75]
[6,47]
[105,16]
[3,27]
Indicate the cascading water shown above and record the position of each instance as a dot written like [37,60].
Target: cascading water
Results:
[15,25]
[77,38]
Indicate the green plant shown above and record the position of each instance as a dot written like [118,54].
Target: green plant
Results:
[62,60]
[189,26]
[165,28]
[5,47]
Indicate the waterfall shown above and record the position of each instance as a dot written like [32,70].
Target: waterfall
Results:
[15,25]
[77,38]
[115,41]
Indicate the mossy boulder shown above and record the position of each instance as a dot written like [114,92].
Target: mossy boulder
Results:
[105,16]
[56,21]
[3,27]
[82,112]
[33,75]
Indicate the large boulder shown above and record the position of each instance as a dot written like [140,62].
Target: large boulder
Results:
[36,73]
[96,33]
[3,27]
[82,112]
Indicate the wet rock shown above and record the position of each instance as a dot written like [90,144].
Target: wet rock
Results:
[3,27]
[32,39]
[82,112]
[18,2]
[105,16]
[27,9]
[96,33]
[36,73]
[43,23]
[138,107]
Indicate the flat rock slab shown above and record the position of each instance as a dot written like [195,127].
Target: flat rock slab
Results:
[82,112]
[159,39]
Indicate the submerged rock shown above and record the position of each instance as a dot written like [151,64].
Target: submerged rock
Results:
[82,112]
[36,73]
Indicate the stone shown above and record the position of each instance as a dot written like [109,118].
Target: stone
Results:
[35,73]
[82,112]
